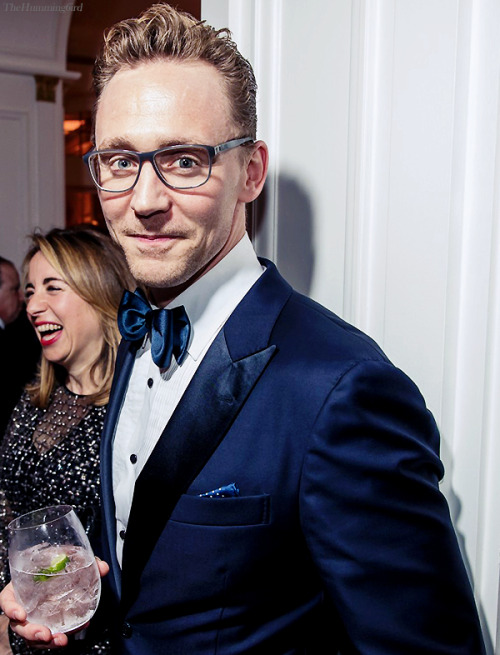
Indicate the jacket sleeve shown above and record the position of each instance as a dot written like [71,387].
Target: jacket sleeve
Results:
[377,525]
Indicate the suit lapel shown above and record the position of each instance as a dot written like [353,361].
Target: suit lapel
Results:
[223,381]
[123,368]
[192,435]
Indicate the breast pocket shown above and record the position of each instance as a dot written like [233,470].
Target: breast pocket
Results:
[210,548]
[215,511]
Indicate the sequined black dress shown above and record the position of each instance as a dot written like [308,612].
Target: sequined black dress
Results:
[49,457]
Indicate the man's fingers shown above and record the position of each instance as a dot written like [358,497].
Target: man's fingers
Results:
[102,566]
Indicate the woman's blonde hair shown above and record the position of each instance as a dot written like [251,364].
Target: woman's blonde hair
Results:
[95,269]
[162,32]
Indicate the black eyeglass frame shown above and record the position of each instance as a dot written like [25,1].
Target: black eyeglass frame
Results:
[213,151]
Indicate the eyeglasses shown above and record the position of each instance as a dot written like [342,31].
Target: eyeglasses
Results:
[179,166]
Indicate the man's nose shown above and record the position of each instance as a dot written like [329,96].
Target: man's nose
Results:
[150,195]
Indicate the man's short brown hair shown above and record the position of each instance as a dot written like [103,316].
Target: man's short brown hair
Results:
[162,32]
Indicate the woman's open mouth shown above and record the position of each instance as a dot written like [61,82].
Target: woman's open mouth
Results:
[48,332]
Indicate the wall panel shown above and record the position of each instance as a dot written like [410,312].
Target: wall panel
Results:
[392,218]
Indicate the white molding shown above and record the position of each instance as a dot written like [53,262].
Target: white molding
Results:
[34,195]
[256,28]
[368,164]
[50,163]
[488,582]
[19,209]
[471,387]
[488,115]
[267,66]
[26,66]
[42,43]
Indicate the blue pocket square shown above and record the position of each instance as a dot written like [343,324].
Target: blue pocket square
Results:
[227,491]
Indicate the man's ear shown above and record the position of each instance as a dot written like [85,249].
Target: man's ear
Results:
[256,172]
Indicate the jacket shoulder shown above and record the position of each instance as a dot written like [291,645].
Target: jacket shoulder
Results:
[305,320]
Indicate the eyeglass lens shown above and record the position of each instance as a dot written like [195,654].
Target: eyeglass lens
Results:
[182,168]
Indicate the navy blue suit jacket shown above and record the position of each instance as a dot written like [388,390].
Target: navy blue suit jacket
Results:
[340,539]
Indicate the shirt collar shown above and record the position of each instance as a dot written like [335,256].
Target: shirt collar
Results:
[212,298]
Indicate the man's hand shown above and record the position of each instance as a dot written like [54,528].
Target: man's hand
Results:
[36,636]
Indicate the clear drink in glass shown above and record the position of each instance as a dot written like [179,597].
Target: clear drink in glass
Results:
[53,569]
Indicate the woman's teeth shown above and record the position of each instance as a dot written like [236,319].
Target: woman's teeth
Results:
[48,327]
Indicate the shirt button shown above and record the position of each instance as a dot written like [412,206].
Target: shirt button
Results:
[122,534]
[150,382]
[126,630]
[133,458]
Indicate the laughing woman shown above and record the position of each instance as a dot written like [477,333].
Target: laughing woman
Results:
[73,281]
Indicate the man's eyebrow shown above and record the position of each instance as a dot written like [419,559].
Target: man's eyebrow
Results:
[115,144]
[126,144]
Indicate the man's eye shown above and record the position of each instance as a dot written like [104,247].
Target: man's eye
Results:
[120,164]
[186,162]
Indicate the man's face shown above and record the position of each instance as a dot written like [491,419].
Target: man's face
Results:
[169,236]
[11,299]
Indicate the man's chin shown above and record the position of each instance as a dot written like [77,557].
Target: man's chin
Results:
[157,279]
[168,275]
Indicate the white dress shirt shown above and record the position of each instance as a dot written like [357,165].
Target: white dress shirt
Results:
[153,393]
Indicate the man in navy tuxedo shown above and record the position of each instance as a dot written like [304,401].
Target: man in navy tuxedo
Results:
[270,480]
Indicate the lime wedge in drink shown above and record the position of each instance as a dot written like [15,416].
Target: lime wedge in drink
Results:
[57,564]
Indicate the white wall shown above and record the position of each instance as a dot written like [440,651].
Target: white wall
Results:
[382,203]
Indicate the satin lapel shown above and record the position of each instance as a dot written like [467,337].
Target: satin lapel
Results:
[196,428]
[124,363]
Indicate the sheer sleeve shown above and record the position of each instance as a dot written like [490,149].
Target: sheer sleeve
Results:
[4,520]
[5,510]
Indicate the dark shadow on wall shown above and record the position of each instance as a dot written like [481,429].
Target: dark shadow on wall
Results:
[294,225]
[455,506]
[295,260]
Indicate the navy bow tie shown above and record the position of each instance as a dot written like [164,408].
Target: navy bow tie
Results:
[169,329]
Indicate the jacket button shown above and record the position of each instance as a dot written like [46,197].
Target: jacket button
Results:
[126,630]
